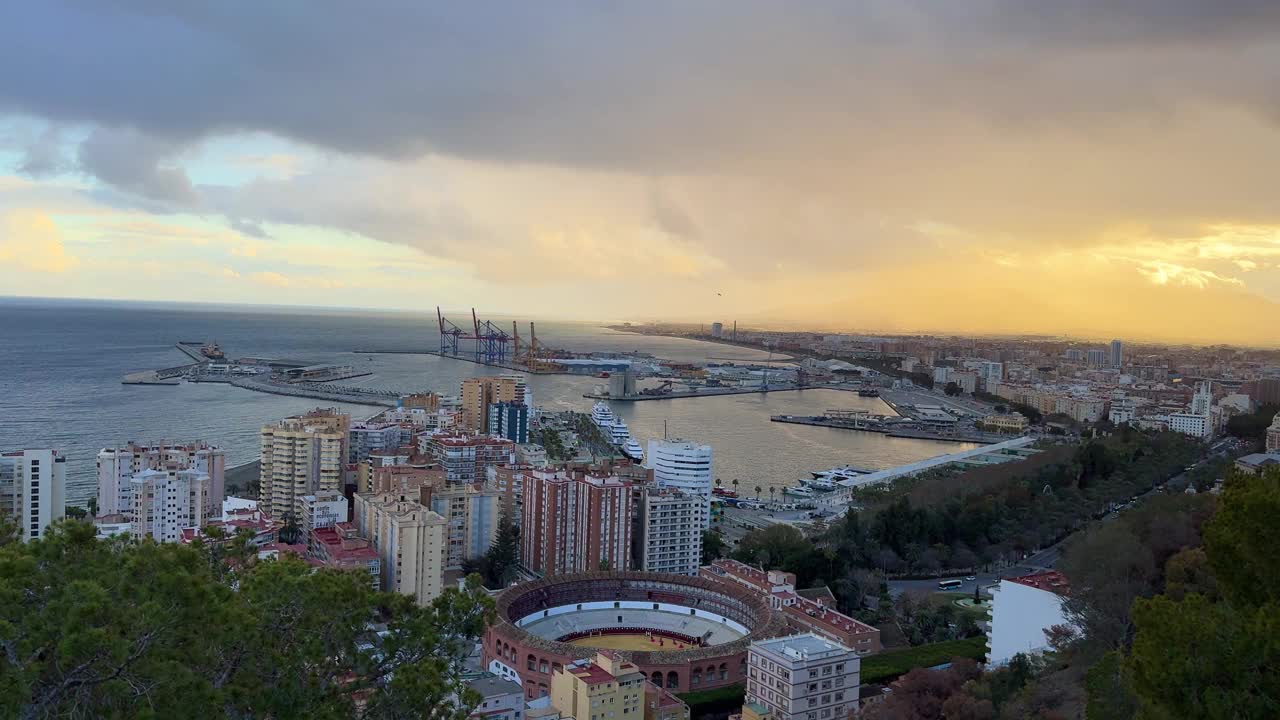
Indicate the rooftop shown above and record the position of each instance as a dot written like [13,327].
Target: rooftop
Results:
[801,647]
[1051,581]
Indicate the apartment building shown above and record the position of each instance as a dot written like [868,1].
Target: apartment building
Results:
[165,503]
[116,465]
[472,512]
[478,393]
[322,511]
[302,455]
[465,458]
[340,546]
[803,677]
[366,437]
[575,522]
[684,466]
[33,489]
[671,524]
[410,541]
[509,420]
[605,687]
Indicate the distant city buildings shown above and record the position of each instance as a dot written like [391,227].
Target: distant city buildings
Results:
[1117,354]
[1022,610]
[33,489]
[302,455]
[672,524]
[410,540]
[803,677]
[115,467]
[575,523]
[1273,435]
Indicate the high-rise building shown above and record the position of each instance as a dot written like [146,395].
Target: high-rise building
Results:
[164,503]
[682,465]
[594,689]
[117,465]
[367,437]
[302,455]
[575,523]
[671,523]
[33,489]
[472,512]
[802,677]
[478,393]
[410,540]
[509,420]
[717,329]
[1097,357]
[1117,354]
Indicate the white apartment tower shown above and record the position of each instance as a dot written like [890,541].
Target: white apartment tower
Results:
[302,455]
[117,465]
[803,677]
[33,489]
[166,502]
[671,522]
[684,466]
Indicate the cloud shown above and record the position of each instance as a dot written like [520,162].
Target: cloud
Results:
[137,163]
[44,155]
[1164,273]
[30,240]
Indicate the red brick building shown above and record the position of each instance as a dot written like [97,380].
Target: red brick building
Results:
[575,523]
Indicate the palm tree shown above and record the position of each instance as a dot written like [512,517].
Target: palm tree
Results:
[772,490]
[719,482]
[735,486]
[758,489]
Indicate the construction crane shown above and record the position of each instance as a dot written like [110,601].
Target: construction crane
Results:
[515,343]
[449,334]
[491,341]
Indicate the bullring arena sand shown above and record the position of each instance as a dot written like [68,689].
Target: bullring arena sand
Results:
[630,641]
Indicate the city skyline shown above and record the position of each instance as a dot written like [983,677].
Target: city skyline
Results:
[982,168]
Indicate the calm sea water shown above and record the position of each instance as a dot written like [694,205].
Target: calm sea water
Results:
[61,363]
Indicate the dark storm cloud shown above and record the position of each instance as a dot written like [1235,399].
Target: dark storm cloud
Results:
[138,164]
[649,87]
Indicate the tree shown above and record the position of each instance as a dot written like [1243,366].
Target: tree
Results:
[501,562]
[1108,569]
[772,491]
[952,389]
[735,486]
[131,628]
[604,564]
[713,546]
[758,489]
[291,532]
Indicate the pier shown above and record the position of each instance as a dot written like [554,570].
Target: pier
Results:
[899,428]
[333,393]
[702,392]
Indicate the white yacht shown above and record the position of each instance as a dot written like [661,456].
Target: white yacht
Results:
[633,450]
[602,415]
[822,484]
[836,474]
[798,491]
[618,432]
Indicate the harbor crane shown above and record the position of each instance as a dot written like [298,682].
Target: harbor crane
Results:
[450,334]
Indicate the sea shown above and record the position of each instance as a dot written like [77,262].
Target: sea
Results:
[62,361]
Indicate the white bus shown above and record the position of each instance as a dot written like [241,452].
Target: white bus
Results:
[950,584]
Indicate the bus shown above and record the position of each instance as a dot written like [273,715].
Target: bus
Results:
[950,584]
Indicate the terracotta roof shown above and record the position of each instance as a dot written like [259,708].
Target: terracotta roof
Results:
[1051,581]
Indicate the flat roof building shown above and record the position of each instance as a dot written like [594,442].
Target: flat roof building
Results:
[803,677]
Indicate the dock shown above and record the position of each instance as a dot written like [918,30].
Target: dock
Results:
[704,392]
[332,393]
[512,366]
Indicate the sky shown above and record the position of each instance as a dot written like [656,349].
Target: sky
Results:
[1090,167]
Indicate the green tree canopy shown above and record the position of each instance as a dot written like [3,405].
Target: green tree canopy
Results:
[128,628]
